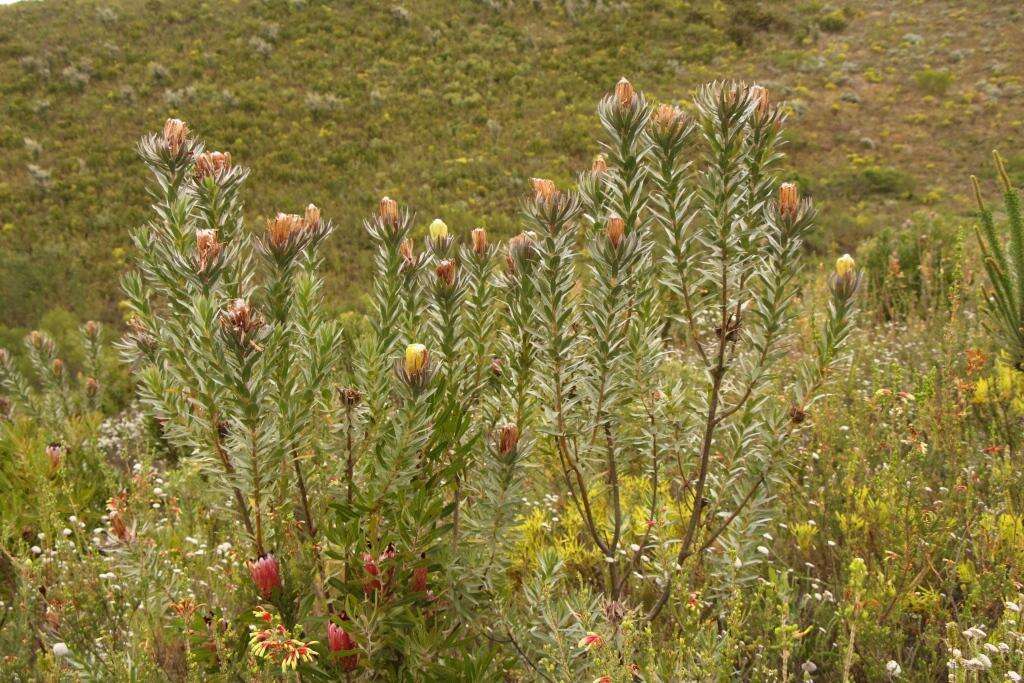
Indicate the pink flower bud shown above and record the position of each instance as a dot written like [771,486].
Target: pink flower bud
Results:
[266,574]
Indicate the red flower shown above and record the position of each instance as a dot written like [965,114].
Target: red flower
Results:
[418,584]
[370,565]
[266,574]
[339,640]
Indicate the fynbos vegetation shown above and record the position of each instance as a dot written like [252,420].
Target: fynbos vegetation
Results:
[632,442]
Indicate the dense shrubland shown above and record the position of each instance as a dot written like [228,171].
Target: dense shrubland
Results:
[636,441]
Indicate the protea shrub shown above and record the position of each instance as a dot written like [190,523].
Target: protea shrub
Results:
[624,357]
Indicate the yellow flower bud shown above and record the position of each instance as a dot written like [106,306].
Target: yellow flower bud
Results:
[438,229]
[416,356]
[844,265]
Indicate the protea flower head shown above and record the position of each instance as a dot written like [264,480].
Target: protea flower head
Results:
[759,95]
[599,165]
[239,318]
[522,247]
[405,250]
[438,230]
[508,438]
[418,581]
[625,94]
[340,640]
[845,265]
[372,582]
[445,272]
[92,329]
[281,227]
[591,640]
[350,396]
[667,117]
[211,165]
[311,218]
[479,239]
[55,453]
[208,248]
[416,359]
[266,574]
[388,210]
[175,134]
[615,228]
[58,367]
[92,387]
[789,200]
[544,190]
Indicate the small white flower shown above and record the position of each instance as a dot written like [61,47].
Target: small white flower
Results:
[36,550]
[809,667]
[67,532]
[1013,676]
[985,661]
[60,650]
[763,550]
[893,667]
[738,563]
[991,649]
[1012,606]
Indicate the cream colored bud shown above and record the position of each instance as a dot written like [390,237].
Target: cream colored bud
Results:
[600,165]
[845,265]
[438,229]
[311,218]
[416,358]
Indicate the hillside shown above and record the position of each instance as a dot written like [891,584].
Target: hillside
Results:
[450,106]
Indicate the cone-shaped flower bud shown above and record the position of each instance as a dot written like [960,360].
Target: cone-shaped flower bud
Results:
[845,265]
[92,387]
[445,272]
[211,165]
[479,237]
[544,191]
[600,165]
[508,439]
[282,227]
[92,329]
[789,200]
[239,318]
[416,359]
[625,94]
[388,211]
[55,454]
[521,247]
[5,356]
[759,95]
[405,250]
[615,228]
[372,582]
[667,117]
[208,248]
[266,574]
[340,640]
[311,219]
[591,640]
[418,581]
[438,229]
[58,367]
[175,134]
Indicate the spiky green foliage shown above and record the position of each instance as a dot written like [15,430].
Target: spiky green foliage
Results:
[1003,257]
